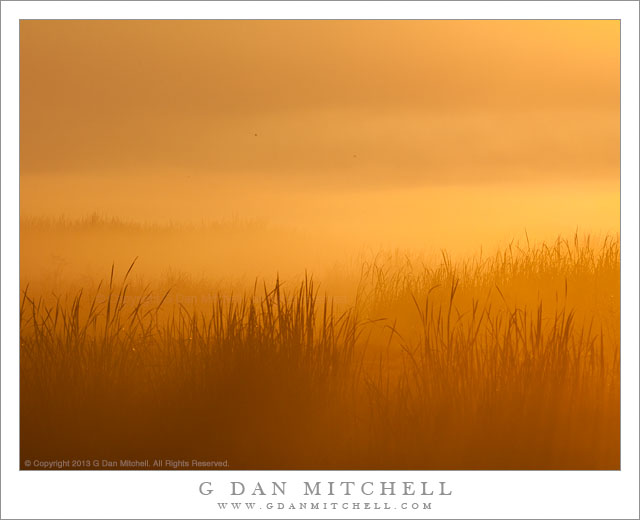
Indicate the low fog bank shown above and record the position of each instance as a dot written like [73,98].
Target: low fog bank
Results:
[199,228]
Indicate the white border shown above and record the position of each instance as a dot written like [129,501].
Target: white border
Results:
[163,495]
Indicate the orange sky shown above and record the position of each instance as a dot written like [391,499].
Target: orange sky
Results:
[343,103]
[339,136]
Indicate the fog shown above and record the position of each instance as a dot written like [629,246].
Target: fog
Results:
[221,231]
[290,146]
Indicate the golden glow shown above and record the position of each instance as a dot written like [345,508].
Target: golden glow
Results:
[351,153]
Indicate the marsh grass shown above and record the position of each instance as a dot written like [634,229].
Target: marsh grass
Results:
[505,362]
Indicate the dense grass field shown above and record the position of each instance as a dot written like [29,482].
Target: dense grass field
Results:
[509,360]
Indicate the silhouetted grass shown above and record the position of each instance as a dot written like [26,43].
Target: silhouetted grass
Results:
[485,364]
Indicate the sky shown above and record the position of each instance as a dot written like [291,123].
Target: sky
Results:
[395,133]
[355,101]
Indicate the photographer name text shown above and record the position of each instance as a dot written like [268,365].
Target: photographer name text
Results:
[331,488]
